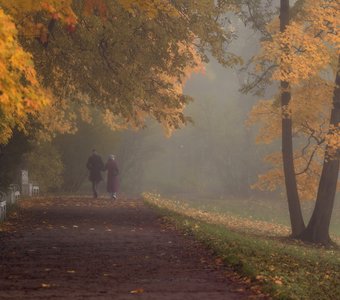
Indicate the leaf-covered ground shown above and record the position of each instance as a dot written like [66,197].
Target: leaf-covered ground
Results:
[259,250]
[77,248]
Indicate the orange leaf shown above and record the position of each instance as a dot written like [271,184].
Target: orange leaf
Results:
[137,291]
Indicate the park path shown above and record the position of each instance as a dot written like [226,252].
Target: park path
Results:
[81,248]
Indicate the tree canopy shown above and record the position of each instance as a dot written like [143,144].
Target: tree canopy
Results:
[129,59]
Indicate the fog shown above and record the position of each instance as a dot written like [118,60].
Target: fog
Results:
[216,155]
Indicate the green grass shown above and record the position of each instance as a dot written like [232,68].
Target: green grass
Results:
[284,268]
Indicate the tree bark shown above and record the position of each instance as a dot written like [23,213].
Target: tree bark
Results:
[317,230]
[295,213]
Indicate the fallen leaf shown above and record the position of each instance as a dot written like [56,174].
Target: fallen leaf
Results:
[45,285]
[137,291]
[239,290]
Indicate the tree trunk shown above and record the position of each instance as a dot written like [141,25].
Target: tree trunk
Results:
[295,213]
[317,230]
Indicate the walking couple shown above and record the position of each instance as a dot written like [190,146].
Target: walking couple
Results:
[95,165]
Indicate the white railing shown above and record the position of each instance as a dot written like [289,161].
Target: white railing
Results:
[3,204]
[12,195]
[9,198]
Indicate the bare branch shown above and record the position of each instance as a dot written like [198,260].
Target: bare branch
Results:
[309,162]
[246,88]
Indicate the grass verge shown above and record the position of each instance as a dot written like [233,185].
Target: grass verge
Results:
[283,268]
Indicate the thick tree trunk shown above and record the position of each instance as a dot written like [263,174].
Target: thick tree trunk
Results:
[317,230]
[295,213]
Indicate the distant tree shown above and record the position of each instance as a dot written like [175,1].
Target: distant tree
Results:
[45,167]
[11,159]
[220,147]
[134,151]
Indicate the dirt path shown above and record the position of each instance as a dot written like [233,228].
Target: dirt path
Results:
[80,248]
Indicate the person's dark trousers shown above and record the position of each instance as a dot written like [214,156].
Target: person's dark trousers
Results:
[94,189]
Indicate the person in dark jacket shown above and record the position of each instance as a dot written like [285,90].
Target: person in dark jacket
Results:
[95,165]
[112,176]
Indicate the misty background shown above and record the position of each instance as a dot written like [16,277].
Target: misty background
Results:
[216,155]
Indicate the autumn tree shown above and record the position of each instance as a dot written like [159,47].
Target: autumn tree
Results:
[45,166]
[301,56]
[11,158]
[317,230]
[23,99]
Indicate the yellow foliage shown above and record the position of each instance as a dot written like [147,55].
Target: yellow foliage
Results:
[57,118]
[305,55]
[300,57]
[151,8]
[307,182]
[85,114]
[57,10]
[22,12]
[21,94]
[114,121]
[309,108]
[269,115]
[333,141]
[178,85]
[167,115]
[308,45]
